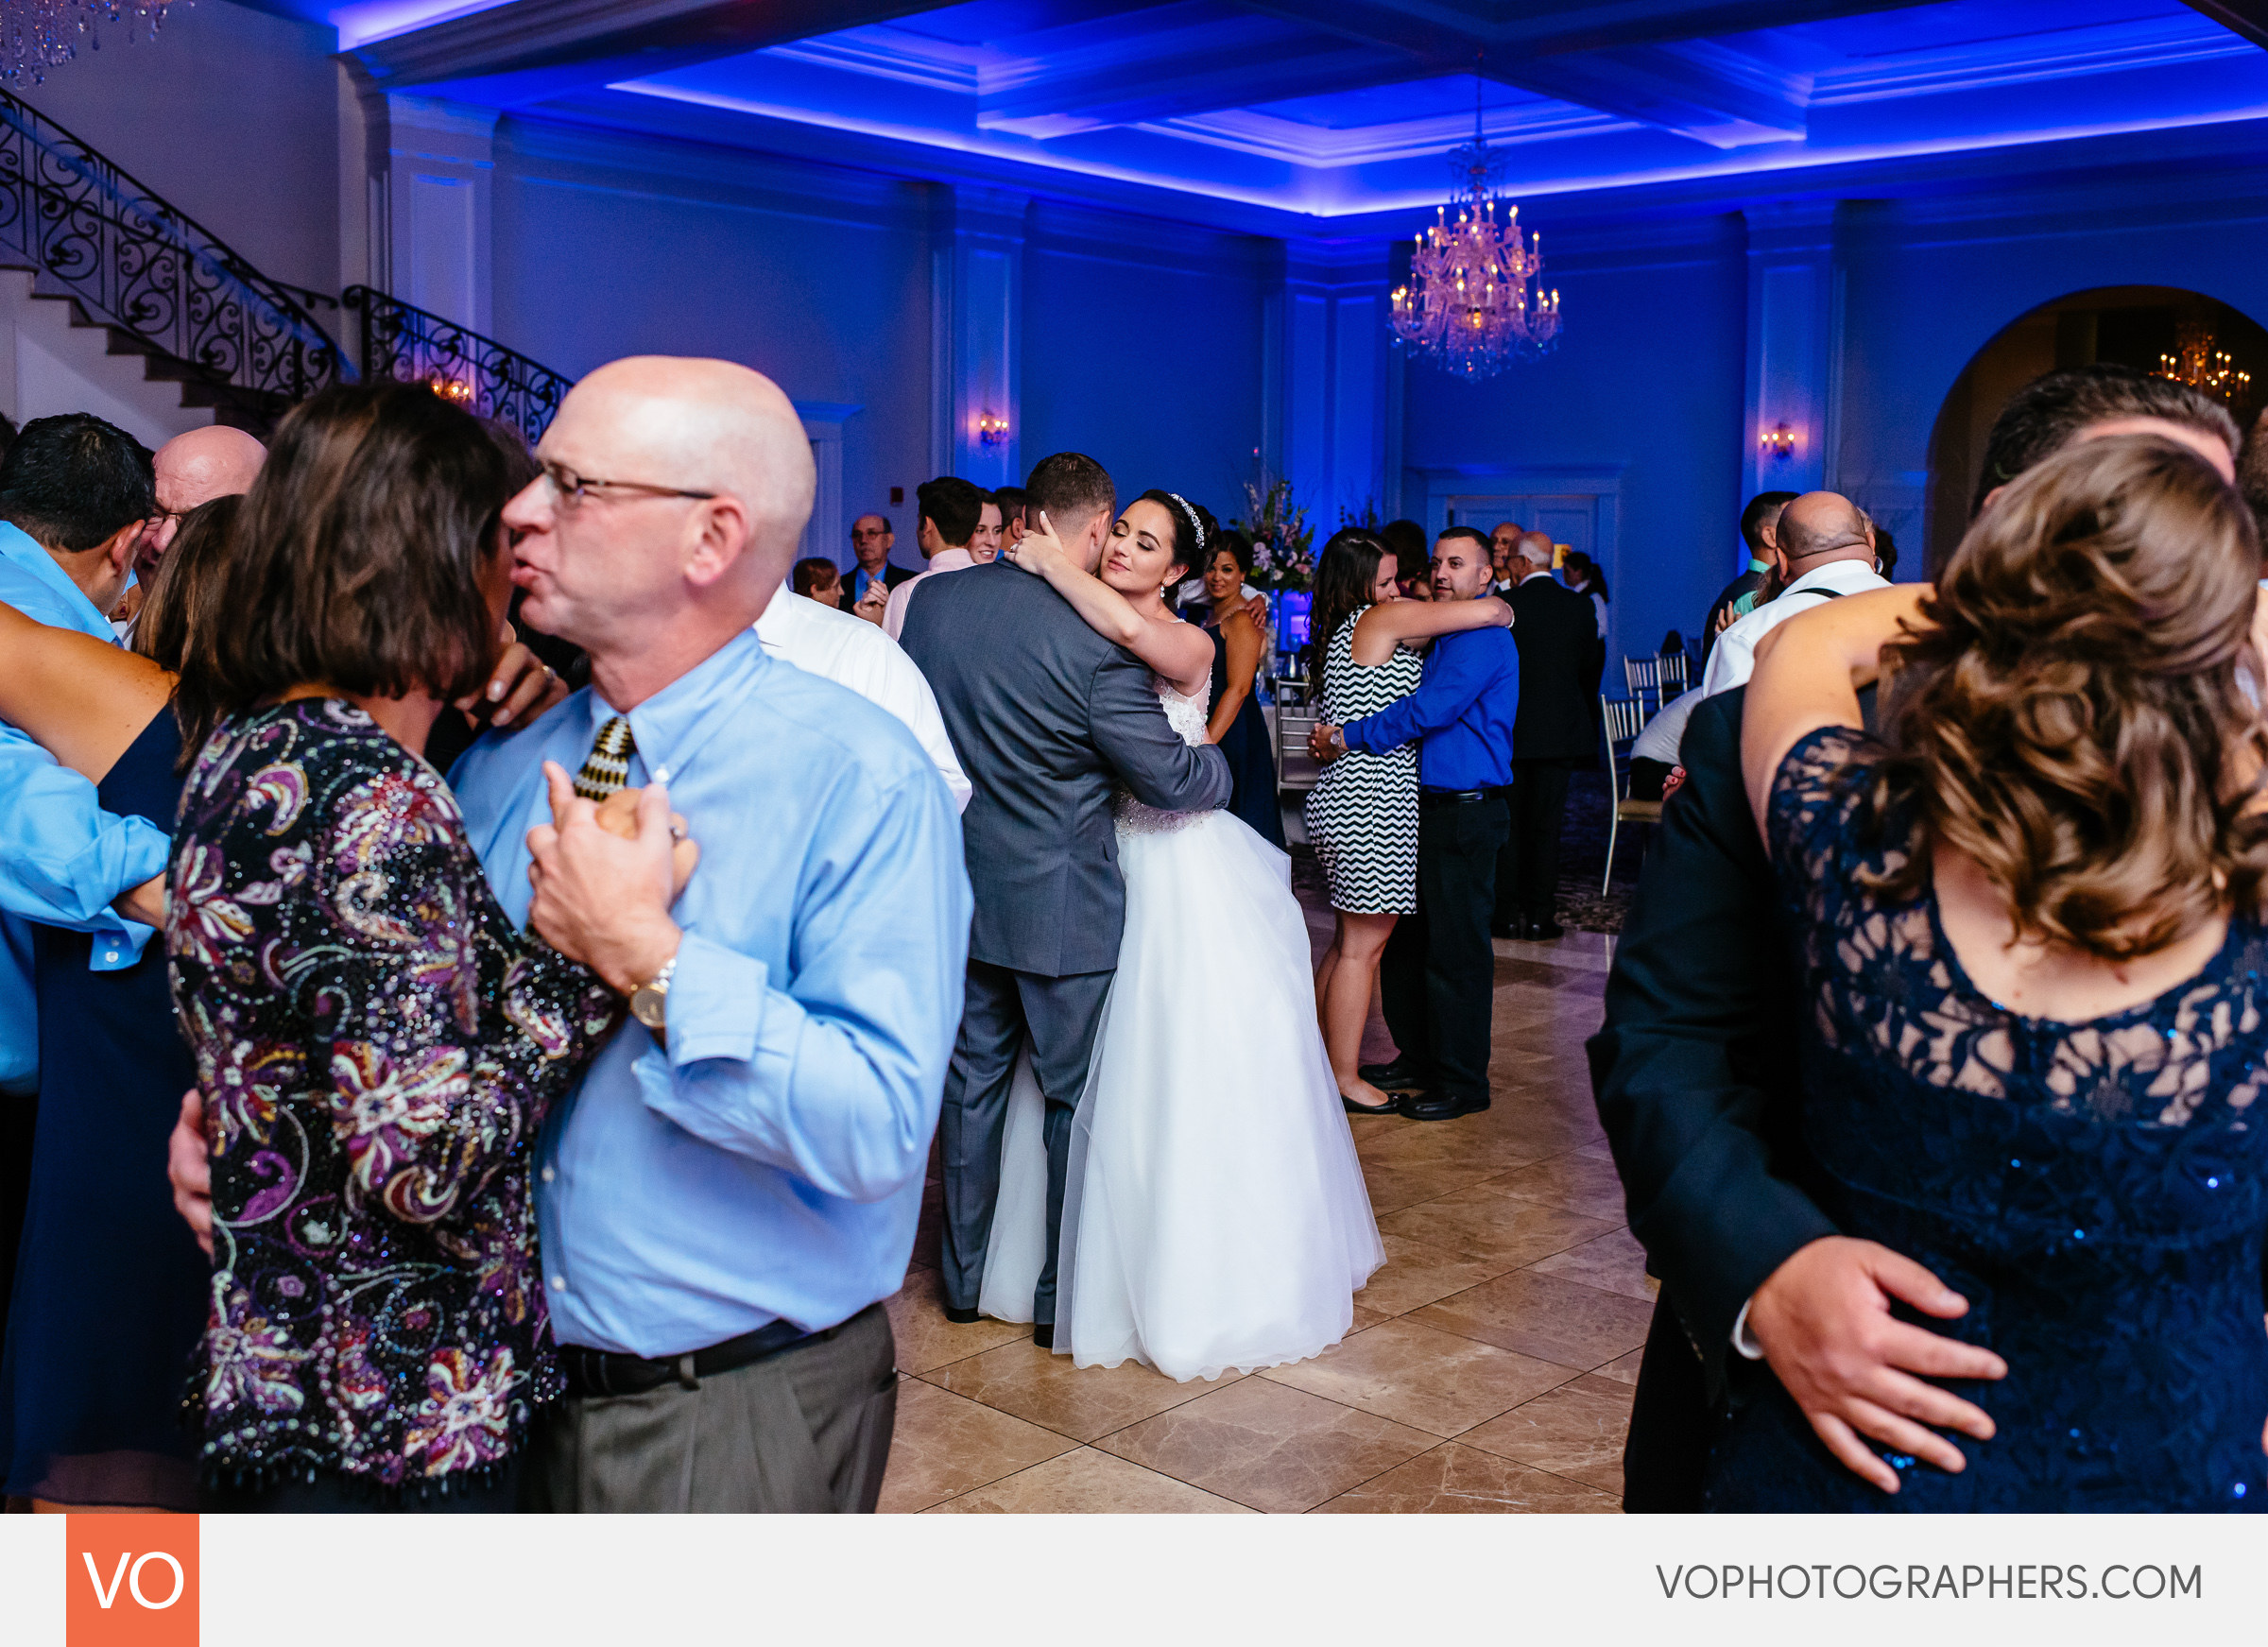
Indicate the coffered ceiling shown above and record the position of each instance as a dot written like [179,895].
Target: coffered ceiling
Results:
[1343,109]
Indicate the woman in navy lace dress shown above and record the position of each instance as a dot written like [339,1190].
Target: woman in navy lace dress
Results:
[2035,978]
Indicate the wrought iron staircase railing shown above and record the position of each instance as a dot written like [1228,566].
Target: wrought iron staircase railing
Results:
[150,271]
[400,341]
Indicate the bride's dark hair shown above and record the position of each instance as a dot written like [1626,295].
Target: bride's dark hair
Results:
[1195,531]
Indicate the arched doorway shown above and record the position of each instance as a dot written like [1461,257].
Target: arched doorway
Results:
[2137,326]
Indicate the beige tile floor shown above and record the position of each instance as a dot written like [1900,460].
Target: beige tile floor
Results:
[1490,1368]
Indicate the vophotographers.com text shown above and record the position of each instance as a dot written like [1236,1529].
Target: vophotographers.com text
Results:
[1886,1581]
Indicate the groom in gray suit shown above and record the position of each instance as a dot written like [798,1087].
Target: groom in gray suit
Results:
[1048,718]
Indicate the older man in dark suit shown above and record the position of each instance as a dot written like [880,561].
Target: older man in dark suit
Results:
[1556,634]
[1049,718]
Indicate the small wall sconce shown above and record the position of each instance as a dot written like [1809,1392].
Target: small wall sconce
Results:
[991,429]
[1781,441]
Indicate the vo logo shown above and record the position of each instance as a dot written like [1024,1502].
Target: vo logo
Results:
[130,1581]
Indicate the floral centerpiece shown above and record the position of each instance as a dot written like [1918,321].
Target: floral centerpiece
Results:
[1282,538]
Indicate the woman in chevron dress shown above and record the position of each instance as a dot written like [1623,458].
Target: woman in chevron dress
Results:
[1362,815]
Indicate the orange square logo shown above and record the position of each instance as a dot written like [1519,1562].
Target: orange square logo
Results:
[130,1581]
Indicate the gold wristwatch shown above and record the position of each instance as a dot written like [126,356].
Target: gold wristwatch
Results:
[649,1002]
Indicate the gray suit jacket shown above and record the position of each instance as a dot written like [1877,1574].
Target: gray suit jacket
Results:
[1048,718]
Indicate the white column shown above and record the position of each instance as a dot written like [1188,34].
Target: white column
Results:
[428,170]
[1332,383]
[1794,347]
[976,320]
[823,423]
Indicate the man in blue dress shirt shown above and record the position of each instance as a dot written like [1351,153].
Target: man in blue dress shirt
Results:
[75,495]
[731,1191]
[1438,977]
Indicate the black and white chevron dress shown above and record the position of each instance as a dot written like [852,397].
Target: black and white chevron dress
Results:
[1362,815]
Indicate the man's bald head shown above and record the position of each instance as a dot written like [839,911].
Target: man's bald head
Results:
[1821,526]
[710,425]
[1534,548]
[712,483]
[195,468]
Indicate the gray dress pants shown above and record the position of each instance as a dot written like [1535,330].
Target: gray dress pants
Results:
[1002,1010]
[806,1431]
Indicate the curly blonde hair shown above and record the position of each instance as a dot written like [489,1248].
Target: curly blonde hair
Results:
[2072,720]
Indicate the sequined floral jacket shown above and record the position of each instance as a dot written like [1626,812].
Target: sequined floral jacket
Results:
[377,1046]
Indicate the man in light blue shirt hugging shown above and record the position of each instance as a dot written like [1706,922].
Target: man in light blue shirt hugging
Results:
[731,1191]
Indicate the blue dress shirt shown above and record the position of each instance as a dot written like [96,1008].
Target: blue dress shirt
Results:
[768,1161]
[1464,707]
[62,858]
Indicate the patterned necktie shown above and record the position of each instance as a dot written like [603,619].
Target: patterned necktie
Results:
[608,766]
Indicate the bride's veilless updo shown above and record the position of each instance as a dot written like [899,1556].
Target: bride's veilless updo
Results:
[2073,722]
[1192,523]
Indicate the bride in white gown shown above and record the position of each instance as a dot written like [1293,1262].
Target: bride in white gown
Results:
[1215,1215]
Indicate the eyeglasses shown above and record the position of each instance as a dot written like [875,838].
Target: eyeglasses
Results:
[863,532]
[573,490]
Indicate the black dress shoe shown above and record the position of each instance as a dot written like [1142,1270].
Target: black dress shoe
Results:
[959,1316]
[1542,931]
[1043,1334]
[1443,1108]
[1507,928]
[1397,1076]
[1391,1107]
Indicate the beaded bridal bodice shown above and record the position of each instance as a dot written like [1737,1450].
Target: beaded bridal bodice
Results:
[1186,715]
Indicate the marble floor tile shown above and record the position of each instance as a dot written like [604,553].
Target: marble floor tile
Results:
[1422,1378]
[1453,1479]
[1088,1482]
[1045,1389]
[1574,1431]
[1614,1264]
[1366,1319]
[1392,1188]
[1486,1223]
[1555,1320]
[926,1339]
[1578,1181]
[1416,1273]
[946,1444]
[1623,1368]
[1471,1140]
[1267,1444]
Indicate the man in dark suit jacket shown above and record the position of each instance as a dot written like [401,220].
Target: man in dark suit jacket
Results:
[1048,718]
[1557,633]
[1760,527]
[870,541]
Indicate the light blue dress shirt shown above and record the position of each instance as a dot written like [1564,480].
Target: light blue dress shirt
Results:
[769,1162]
[62,858]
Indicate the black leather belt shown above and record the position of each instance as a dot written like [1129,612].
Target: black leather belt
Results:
[1454,796]
[600,1372]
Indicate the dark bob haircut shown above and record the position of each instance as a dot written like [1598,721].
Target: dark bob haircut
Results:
[356,560]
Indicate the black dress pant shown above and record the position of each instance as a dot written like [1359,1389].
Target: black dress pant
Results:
[1437,980]
[1528,869]
[1665,1457]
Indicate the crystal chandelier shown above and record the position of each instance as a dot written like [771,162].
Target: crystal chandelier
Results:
[1469,306]
[2197,363]
[39,35]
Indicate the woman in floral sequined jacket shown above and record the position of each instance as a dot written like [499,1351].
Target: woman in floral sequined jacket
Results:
[376,1044]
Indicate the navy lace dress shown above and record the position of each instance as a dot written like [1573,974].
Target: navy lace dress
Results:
[110,1285]
[2096,1190]
[1251,763]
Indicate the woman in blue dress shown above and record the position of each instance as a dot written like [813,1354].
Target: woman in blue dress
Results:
[110,1286]
[1236,723]
[2029,935]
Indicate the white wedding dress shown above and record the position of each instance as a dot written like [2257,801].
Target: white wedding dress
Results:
[1215,1215]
